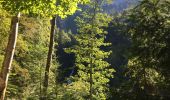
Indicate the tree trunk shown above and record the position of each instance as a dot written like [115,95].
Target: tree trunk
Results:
[49,58]
[91,77]
[91,68]
[9,54]
[2,84]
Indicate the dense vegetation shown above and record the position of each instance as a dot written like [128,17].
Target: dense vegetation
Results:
[113,55]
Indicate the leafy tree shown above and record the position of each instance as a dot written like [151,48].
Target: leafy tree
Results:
[29,55]
[43,7]
[15,7]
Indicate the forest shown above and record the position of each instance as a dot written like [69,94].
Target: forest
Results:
[84,49]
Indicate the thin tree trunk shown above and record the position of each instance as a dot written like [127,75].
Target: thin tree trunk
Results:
[91,53]
[40,82]
[49,58]
[91,77]
[6,67]
[145,83]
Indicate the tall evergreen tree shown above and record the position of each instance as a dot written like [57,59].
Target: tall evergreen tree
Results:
[92,69]
[147,26]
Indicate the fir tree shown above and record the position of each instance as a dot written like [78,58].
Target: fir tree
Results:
[91,66]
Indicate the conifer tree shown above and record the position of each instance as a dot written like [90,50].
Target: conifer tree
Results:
[92,69]
[147,26]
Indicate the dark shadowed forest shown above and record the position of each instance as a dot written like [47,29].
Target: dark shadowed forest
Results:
[84,49]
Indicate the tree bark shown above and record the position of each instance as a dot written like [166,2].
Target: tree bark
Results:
[49,58]
[91,77]
[2,84]
[6,67]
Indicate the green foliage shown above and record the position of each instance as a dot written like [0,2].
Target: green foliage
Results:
[29,6]
[65,7]
[29,58]
[31,50]
[147,26]
[64,40]
[42,7]
[88,53]
[4,28]
[146,74]
[74,91]
[149,32]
